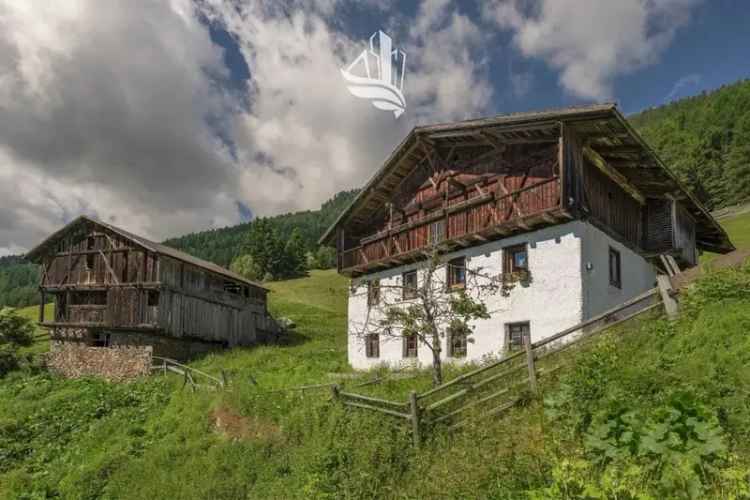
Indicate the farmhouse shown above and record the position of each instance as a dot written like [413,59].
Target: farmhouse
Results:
[571,205]
[112,288]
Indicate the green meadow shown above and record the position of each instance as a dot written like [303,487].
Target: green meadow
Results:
[654,409]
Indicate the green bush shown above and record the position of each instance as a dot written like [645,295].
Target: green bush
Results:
[15,331]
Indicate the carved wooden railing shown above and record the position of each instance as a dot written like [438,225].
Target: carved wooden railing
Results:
[454,223]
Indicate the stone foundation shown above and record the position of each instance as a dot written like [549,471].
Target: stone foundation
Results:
[75,360]
[163,346]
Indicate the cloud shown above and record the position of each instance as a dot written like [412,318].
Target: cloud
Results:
[685,81]
[305,137]
[126,113]
[105,111]
[591,42]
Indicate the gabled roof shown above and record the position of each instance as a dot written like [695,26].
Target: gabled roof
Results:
[36,253]
[602,125]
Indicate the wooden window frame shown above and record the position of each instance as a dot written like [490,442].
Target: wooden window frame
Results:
[450,278]
[409,351]
[615,272]
[454,351]
[509,261]
[372,345]
[373,292]
[409,292]
[509,345]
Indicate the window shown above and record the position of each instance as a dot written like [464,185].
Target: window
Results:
[410,346]
[457,342]
[372,345]
[373,292]
[409,285]
[514,335]
[615,276]
[456,273]
[516,259]
[153,298]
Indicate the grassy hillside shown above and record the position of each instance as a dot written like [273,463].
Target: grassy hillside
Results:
[653,410]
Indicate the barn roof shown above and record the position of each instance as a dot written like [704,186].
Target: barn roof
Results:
[603,127]
[36,253]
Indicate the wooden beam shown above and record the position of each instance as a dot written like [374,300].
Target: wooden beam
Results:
[453,182]
[605,150]
[109,268]
[613,174]
[493,141]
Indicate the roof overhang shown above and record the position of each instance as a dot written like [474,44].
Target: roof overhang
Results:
[602,128]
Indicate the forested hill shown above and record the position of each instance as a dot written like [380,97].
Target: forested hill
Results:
[705,140]
[223,245]
[18,282]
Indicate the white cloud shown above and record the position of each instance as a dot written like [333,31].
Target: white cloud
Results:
[305,137]
[591,42]
[103,111]
[106,111]
[685,81]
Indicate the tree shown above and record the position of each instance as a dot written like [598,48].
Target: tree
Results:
[15,330]
[295,255]
[323,258]
[271,258]
[244,265]
[431,306]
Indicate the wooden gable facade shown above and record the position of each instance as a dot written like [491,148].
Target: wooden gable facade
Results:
[102,278]
[465,183]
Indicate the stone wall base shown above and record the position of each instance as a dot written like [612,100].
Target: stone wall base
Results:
[74,360]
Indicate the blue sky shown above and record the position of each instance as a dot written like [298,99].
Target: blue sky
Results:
[711,50]
[195,114]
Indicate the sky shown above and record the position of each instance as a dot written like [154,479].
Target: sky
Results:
[171,116]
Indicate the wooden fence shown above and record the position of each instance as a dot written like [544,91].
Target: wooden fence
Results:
[495,387]
[167,365]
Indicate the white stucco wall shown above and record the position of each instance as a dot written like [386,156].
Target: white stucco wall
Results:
[551,302]
[638,275]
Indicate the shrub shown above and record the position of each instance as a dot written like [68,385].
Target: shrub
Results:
[15,330]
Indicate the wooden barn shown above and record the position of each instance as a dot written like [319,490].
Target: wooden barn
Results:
[112,288]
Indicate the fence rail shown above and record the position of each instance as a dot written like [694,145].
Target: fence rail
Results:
[474,390]
[189,373]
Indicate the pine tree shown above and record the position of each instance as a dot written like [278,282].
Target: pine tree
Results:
[295,254]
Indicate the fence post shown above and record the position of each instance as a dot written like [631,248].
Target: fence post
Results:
[335,392]
[665,291]
[415,418]
[224,380]
[530,364]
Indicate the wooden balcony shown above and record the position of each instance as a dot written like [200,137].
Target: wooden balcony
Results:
[470,222]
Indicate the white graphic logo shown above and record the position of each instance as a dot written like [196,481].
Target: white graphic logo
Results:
[385,91]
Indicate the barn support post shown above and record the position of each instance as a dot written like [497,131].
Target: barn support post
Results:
[41,304]
[530,364]
[415,424]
